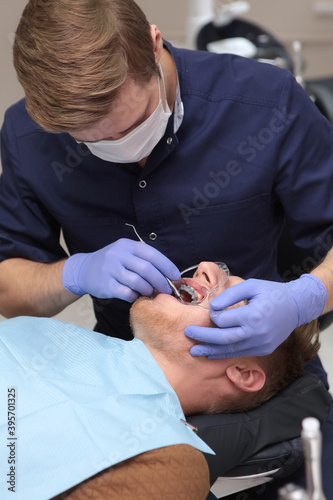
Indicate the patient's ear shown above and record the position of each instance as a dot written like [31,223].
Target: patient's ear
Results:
[248,377]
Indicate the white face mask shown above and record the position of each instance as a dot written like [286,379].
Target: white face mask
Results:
[138,143]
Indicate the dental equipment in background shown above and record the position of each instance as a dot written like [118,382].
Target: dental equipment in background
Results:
[172,286]
[219,26]
[312,445]
[292,492]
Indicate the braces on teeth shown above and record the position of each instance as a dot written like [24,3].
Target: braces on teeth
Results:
[189,295]
[189,290]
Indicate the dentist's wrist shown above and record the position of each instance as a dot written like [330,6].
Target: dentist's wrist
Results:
[71,272]
[310,296]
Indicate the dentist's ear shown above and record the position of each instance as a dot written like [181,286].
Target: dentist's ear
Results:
[157,42]
[247,376]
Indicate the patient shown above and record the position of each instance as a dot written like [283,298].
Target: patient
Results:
[221,385]
[91,406]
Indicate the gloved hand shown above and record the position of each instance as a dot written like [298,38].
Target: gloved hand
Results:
[124,269]
[273,311]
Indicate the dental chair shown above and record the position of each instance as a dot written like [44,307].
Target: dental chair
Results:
[263,46]
[266,47]
[264,444]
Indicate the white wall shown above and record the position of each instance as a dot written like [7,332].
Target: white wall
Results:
[10,90]
[300,20]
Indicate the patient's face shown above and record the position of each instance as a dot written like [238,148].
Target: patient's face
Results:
[160,321]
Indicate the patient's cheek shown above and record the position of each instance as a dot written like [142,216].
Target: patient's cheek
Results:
[235,280]
[239,304]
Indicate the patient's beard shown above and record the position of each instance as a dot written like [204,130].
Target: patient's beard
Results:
[158,330]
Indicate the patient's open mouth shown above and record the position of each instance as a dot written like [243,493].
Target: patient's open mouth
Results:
[189,293]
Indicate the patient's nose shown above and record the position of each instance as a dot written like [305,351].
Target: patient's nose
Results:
[208,272]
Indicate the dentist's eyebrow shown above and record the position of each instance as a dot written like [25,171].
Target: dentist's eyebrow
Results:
[137,122]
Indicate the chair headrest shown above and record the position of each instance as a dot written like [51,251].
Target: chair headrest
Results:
[236,437]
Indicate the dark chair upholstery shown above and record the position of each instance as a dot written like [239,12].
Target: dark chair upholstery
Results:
[321,92]
[268,46]
[265,438]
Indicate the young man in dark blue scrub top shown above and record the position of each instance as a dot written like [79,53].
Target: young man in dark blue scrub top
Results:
[206,155]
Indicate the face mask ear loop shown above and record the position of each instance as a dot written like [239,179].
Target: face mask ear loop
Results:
[167,109]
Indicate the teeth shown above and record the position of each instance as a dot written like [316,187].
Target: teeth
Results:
[189,290]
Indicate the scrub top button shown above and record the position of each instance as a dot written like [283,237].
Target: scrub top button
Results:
[142,184]
[153,236]
[169,140]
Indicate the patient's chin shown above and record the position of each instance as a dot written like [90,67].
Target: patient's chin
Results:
[139,316]
[159,329]
[149,322]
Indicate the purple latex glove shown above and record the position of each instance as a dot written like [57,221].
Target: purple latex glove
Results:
[273,311]
[124,269]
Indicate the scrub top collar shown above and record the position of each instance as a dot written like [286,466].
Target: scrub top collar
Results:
[178,111]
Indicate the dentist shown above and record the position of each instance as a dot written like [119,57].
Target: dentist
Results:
[207,155]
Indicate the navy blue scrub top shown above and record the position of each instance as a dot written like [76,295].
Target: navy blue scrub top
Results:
[252,149]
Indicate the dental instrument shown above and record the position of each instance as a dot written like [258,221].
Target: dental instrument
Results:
[312,445]
[292,492]
[172,286]
[186,291]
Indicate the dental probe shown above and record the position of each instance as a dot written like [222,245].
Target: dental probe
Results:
[172,286]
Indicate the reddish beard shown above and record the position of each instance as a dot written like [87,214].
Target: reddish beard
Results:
[156,328]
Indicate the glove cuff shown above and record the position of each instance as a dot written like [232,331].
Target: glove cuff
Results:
[310,296]
[71,271]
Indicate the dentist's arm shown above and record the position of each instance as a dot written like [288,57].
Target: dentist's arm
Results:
[273,311]
[325,273]
[124,269]
[32,289]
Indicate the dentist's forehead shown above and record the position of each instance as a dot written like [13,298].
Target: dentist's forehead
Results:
[129,109]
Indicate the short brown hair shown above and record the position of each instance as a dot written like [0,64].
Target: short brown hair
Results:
[73,56]
[281,367]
